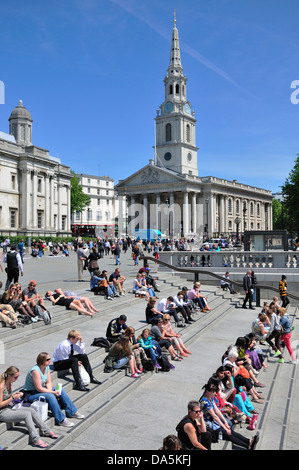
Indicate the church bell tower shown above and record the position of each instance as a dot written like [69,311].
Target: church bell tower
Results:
[175,147]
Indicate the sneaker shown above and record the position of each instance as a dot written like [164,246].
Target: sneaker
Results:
[109,298]
[77,415]
[277,353]
[158,366]
[135,376]
[34,319]
[281,360]
[66,423]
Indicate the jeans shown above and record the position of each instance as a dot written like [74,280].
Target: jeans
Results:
[53,404]
[153,355]
[117,260]
[31,418]
[111,289]
[121,362]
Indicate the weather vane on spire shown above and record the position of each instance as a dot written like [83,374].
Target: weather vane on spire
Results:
[174,17]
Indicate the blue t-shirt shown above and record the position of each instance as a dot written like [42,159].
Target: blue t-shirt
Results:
[29,385]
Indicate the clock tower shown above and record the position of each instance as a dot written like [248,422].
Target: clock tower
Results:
[175,147]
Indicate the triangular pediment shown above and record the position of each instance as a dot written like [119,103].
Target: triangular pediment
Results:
[150,175]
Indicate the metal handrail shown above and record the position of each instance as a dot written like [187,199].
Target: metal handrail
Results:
[197,271]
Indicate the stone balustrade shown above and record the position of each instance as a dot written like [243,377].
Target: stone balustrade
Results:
[232,259]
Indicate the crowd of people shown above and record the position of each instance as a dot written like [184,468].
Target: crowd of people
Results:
[228,395]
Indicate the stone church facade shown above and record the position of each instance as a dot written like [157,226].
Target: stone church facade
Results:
[168,195]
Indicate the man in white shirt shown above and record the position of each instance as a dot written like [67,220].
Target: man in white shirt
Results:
[168,306]
[64,358]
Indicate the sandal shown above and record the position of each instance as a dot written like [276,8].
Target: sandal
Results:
[40,444]
[176,358]
[52,435]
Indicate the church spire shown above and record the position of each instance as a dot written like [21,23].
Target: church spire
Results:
[175,55]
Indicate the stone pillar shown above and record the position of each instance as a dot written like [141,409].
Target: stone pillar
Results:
[59,212]
[185,214]
[120,215]
[171,215]
[221,215]
[193,213]
[25,198]
[144,212]
[52,202]
[158,213]
[34,199]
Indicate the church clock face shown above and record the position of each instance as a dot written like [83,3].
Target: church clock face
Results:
[187,108]
[168,107]
[167,156]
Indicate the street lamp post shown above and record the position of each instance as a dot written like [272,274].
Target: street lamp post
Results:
[237,222]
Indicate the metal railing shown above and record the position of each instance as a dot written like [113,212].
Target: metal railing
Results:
[196,272]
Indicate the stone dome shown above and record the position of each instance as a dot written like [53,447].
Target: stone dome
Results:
[20,112]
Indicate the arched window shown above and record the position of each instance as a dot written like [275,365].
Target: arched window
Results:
[229,205]
[177,89]
[188,133]
[237,206]
[168,132]
[258,209]
[170,90]
[251,208]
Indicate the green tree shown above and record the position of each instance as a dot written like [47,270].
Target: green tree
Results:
[79,200]
[290,191]
[277,215]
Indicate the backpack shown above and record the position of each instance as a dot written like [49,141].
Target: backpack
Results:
[147,364]
[164,363]
[44,314]
[101,342]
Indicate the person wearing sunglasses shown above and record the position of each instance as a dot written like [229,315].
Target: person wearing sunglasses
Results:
[192,430]
[38,383]
[9,413]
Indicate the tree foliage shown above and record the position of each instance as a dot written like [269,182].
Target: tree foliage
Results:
[277,213]
[79,200]
[290,191]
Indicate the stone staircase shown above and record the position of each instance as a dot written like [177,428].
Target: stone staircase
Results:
[118,390]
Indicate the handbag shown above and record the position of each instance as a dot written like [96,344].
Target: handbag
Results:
[85,379]
[41,407]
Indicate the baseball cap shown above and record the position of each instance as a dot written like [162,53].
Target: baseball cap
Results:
[32,283]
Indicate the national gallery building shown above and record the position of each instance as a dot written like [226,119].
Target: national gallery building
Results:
[168,195]
[34,187]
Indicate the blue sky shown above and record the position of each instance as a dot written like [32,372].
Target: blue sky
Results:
[91,74]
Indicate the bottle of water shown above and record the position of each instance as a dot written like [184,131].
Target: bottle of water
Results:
[220,435]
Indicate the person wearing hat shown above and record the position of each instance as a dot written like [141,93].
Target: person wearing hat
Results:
[31,296]
[14,266]
[116,328]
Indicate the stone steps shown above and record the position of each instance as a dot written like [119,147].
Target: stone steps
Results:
[117,389]
[114,387]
